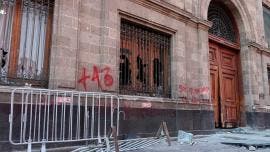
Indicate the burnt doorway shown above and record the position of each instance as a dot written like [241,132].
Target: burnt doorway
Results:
[224,66]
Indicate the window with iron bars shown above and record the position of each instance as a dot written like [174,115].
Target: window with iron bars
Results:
[144,61]
[222,27]
[25,31]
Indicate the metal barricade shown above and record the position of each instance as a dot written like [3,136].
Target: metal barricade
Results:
[42,116]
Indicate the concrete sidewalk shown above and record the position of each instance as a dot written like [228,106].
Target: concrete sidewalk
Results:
[237,140]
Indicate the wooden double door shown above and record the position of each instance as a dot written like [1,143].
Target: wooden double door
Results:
[224,85]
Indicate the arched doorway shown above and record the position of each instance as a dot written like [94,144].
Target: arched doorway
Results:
[224,61]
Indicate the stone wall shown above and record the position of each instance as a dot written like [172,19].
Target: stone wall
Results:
[87,36]
[86,40]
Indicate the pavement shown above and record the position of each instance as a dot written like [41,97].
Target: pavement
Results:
[235,140]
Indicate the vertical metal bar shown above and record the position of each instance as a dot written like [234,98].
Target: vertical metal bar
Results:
[53,122]
[45,31]
[25,35]
[78,116]
[11,9]
[35,119]
[148,50]
[143,61]
[88,119]
[22,116]
[164,67]
[132,39]
[31,114]
[93,116]
[39,35]
[5,26]
[99,118]
[154,84]
[7,30]
[61,119]
[147,64]
[11,116]
[33,31]
[161,66]
[167,63]
[105,116]
[121,60]
[71,117]
[85,117]
[137,48]
[154,56]
[112,109]
[25,117]
[56,117]
[64,118]
[118,108]
[48,116]
[126,46]
[79,120]
[39,116]
[44,117]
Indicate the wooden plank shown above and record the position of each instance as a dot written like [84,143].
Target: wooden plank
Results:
[166,132]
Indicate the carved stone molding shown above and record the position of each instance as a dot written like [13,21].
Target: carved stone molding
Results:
[172,11]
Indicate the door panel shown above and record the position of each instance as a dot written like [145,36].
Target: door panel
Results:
[215,94]
[228,59]
[213,54]
[229,92]
[214,60]
[224,85]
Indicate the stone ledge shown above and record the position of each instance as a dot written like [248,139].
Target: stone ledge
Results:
[174,12]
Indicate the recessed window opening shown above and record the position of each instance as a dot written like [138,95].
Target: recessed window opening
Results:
[25,31]
[144,61]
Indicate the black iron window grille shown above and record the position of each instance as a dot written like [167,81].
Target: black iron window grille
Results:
[222,23]
[144,61]
[25,30]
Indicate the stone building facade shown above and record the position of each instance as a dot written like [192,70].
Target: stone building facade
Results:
[85,49]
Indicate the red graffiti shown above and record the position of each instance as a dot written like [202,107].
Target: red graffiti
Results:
[194,91]
[84,78]
[107,79]
[95,76]
[195,95]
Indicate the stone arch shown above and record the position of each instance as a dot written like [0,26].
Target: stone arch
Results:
[241,15]
[246,32]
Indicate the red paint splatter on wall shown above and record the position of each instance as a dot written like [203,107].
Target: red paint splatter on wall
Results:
[194,91]
[84,78]
[107,79]
[194,94]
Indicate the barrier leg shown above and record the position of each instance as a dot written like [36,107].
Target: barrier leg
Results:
[108,148]
[43,146]
[29,146]
[115,139]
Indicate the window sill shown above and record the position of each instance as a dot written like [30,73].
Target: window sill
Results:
[146,98]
